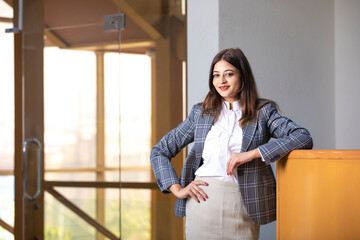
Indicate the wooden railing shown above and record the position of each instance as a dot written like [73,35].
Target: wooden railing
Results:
[49,187]
[7,226]
[318,195]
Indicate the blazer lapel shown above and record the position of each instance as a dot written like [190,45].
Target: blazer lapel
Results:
[202,129]
[248,135]
[207,123]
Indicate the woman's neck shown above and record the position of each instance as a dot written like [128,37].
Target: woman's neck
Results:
[231,106]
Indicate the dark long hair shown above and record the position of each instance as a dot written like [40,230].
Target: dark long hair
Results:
[248,94]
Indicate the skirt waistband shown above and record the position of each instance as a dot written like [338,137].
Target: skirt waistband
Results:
[216,183]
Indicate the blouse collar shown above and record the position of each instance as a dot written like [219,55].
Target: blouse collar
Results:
[236,105]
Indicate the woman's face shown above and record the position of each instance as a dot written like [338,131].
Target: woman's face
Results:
[226,80]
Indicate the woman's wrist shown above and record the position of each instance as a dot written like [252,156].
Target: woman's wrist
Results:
[255,153]
[175,188]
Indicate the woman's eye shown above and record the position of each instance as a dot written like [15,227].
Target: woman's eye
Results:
[229,74]
[216,75]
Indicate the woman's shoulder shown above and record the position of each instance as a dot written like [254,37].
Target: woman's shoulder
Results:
[266,108]
[198,114]
[266,105]
[197,108]
[195,112]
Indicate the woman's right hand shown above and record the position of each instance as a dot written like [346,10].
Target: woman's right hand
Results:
[193,190]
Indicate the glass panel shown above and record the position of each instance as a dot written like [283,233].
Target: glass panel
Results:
[71,176]
[134,110]
[75,40]
[135,217]
[78,144]
[61,223]
[6,120]
[6,94]
[112,211]
[77,53]
[70,108]
[6,205]
[5,10]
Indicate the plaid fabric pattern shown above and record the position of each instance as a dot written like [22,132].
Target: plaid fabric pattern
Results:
[256,179]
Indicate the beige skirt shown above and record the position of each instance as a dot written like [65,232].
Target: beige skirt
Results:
[222,216]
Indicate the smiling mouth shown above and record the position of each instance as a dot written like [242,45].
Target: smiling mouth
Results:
[223,88]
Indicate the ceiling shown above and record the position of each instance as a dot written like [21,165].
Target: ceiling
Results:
[79,24]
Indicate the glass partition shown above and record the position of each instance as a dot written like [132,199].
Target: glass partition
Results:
[81,134]
[97,96]
[134,90]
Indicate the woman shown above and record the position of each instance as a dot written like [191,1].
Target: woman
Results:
[227,188]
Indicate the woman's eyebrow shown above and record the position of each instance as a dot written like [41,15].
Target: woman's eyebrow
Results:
[227,70]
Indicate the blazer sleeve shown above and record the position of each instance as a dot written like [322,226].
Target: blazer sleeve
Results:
[168,147]
[288,135]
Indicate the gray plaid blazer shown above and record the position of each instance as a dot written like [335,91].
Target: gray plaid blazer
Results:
[256,179]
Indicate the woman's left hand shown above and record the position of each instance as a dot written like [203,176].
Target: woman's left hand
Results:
[236,159]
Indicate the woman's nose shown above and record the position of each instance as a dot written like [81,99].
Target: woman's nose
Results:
[223,79]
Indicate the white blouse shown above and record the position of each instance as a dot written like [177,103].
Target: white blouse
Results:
[223,139]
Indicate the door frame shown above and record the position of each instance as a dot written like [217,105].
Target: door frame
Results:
[29,121]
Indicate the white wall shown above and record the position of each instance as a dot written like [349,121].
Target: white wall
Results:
[290,46]
[202,45]
[347,73]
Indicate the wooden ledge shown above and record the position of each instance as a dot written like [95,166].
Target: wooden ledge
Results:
[331,154]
